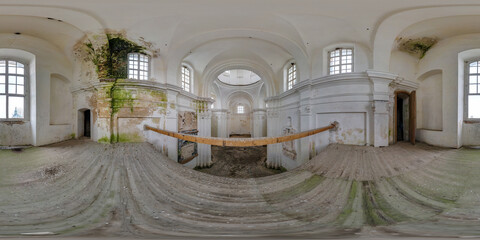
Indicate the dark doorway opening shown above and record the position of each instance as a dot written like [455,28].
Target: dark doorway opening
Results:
[86,127]
[400,122]
[405,116]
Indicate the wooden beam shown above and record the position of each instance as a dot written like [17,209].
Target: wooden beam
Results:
[241,142]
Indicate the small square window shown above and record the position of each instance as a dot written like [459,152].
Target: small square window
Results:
[138,66]
[240,109]
[341,61]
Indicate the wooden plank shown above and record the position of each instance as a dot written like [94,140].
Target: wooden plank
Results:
[241,142]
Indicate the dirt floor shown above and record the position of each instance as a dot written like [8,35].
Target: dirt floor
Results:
[81,188]
[239,162]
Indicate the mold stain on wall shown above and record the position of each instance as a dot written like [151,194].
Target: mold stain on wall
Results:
[118,98]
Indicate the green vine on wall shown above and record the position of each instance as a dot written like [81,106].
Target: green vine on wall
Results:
[110,58]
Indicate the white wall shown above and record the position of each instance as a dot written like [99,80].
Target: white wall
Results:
[430,102]
[445,56]
[44,59]
[345,98]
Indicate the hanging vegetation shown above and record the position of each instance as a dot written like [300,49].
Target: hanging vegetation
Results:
[110,58]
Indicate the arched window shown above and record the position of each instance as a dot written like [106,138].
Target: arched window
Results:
[340,61]
[473,90]
[186,78]
[138,66]
[291,76]
[12,90]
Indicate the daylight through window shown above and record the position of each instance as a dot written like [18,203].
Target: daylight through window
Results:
[240,109]
[473,91]
[186,78]
[291,76]
[138,66]
[341,61]
[12,90]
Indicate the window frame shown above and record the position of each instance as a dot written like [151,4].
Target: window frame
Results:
[467,88]
[137,76]
[26,90]
[240,107]
[341,55]
[294,73]
[182,78]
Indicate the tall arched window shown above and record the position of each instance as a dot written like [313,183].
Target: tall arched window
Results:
[186,78]
[473,90]
[12,90]
[291,76]
[138,65]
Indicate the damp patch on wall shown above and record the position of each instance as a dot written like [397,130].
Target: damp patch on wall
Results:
[288,148]
[187,121]
[187,124]
[417,47]
[108,52]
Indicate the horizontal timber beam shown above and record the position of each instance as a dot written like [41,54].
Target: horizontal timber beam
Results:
[241,142]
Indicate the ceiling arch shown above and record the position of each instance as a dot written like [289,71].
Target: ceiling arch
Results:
[393,25]
[212,72]
[176,57]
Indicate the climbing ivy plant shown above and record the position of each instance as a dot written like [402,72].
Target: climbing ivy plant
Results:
[110,58]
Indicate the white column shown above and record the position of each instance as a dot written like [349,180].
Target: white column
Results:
[204,158]
[305,125]
[274,151]
[221,118]
[171,124]
[381,95]
[259,122]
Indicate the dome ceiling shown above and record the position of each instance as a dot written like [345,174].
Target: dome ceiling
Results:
[238,77]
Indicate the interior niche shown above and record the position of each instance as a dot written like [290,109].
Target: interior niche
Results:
[60,100]
[430,101]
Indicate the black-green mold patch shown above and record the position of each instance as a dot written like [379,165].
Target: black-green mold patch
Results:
[110,58]
[376,209]
[294,191]
[418,46]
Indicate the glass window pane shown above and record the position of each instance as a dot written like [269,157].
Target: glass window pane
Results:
[2,78]
[20,80]
[473,64]
[473,88]
[474,106]
[2,89]
[12,80]
[473,70]
[473,79]
[20,89]
[3,107]
[12,89]
[15,107]
[20,71]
